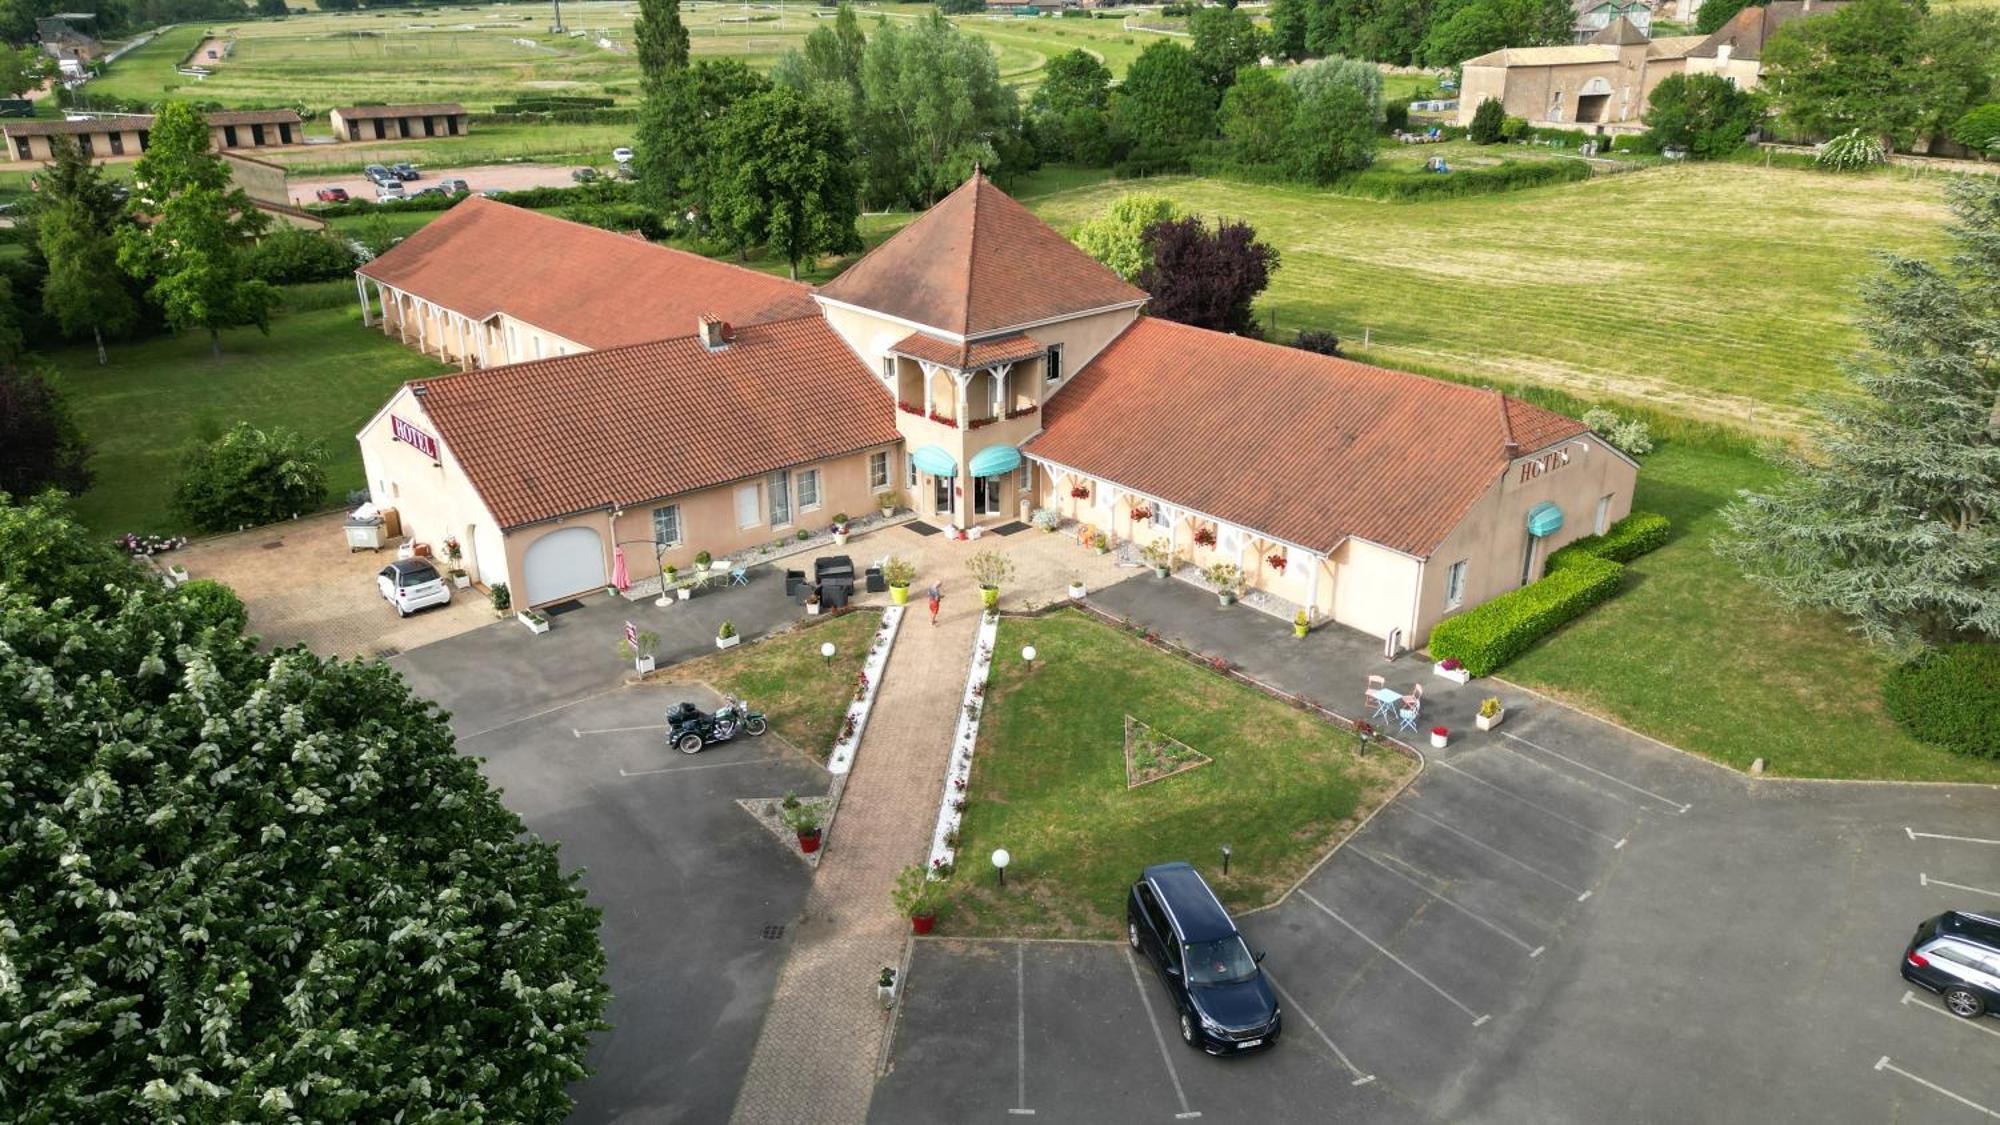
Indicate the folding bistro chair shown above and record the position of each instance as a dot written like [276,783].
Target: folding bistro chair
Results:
[739,576]
[1375,683]
[1408,718]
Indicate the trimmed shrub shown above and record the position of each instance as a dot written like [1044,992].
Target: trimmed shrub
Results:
[1850,152]
[1950,697]
[206,602]
[1486,637]
[1487,121]
[1318,340]
[1635,535]
[248,477]
[288,255]
[1508,175]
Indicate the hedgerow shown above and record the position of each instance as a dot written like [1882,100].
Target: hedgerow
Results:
[1950,697]
[1622,542]
[1488,636]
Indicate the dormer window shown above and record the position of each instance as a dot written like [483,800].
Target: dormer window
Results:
[889,368]
[1052,363]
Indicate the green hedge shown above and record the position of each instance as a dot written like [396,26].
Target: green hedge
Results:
[1950,697]
[553,103]
[1487,636]
[1401,187]
[613,116]
[1626,540]
[603,191]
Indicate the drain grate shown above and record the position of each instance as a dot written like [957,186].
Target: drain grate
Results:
[773,933]
[272,545]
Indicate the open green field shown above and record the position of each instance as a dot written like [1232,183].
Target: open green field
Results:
[318,372]
[1049,782]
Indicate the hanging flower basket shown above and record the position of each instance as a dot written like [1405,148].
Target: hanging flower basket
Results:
[1276,562]
[1205,537]
[1079,492]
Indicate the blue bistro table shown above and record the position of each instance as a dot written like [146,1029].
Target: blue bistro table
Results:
[1386,701]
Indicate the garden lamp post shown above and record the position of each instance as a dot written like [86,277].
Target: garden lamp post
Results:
[826,653]
[1225,859]
[1028,653]
[1000,861]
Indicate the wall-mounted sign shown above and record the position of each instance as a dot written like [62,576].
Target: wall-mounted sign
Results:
[417,439]
[1546,463]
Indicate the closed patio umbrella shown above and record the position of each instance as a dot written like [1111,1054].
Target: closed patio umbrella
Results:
[619,577]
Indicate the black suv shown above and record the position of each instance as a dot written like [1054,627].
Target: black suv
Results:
[1957,956]
[1225,1004]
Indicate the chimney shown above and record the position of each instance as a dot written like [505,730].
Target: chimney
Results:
[715,332]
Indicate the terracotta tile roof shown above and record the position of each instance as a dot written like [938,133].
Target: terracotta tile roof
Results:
[979,262]
[1747,31]
[597,287]
[421,109]
[965,357]
[627,425]
[1306,448]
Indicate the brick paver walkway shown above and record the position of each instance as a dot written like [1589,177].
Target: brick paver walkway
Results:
[822,1036]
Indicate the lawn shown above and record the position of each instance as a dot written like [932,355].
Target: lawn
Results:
[1049,783]
[318,372]
[805,695]
[1693,654]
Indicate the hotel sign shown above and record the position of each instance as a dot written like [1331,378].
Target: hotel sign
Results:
[1546,463]
[417,439]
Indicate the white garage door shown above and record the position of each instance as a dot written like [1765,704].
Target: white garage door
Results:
[563,563]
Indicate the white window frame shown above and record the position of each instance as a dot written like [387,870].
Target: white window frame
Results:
[1052,364]
[879,481]
[1024,478]
[675,519]
[1100,496]
[778,487]
[1603,521]
[755,505]
[889,369]
[799,493]
[1454,585]
[1162,519]
[910,473]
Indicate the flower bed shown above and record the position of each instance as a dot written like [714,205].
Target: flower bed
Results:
[951,804]
[1151,756]
[870,682]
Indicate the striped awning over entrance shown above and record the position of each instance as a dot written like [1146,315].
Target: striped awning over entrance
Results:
[935,461]
[995,460]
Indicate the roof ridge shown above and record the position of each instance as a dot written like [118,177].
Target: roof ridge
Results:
[1506,423]
[614,350]
[971,254]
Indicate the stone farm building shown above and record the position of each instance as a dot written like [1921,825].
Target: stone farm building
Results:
[128,135]
[398,122]
[617,394]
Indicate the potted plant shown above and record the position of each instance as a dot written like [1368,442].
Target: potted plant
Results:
[1048,519]
[1300,624]
[1079,492]
[1439,736]
[840,530]
[885,987]
[1452,670]
[974,532]
[459,578]
[1225,577]
[916,896]
[1204,537]
[500,598]
[725,635]
[803,819]
[899,573]
[812,604]
[1101,543]
[889,502]
[534,620]
[990,569]
[641,654]
[1160,557]
[1076,590]
[1490,713]
[177,575]
[702,559]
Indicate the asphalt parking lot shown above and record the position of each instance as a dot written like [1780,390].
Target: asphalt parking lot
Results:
[698,898]
[1559,921]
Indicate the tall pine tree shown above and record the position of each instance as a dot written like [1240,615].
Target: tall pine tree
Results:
[75,221]
[661,40]
[1892,518]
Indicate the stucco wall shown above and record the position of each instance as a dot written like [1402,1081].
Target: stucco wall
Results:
[1526,90]
[433,499]
[437,332]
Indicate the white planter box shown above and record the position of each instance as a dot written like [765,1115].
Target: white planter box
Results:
[1438,740]
[684,593]
[643,664]
[1488,722]
[535,627]
[975,531]
[462,581]
[886,993]
[177,574]
[1076,590]
[1455,675]
[840,539]
[888,513]
[812,608]
[729,642]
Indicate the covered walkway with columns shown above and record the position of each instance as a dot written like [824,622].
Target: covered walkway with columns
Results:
[432,329]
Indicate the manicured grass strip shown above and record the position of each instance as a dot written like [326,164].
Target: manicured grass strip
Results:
[318,372]
[1049,783]
[786,678]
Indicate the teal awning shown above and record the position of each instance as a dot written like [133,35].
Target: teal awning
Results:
[995,460]
[1544,519]
[930,459]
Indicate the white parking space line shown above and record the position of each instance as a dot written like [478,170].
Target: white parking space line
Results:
[1616,842]
[1160,1039]
[698,766]
[1884,1064]
[1914,834]
[1530,950]
[1924,880]
[1580,894]
[575,733]
[1478,1019]
[1669,801]
[1580,783]
[1021,1033]
[1360,1079]
[1979,1024]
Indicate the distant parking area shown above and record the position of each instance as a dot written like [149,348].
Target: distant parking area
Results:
[1557,922]
[481,177]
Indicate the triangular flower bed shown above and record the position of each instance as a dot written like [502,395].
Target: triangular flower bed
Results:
[1152,756]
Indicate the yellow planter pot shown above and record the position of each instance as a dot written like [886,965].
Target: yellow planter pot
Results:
[900,595]
[990,595]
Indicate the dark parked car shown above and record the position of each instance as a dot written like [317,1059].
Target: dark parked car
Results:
[332,195]
[378,175]
[1225,1004]
[403,171]
[434,189]
[585,175]
[1957,956]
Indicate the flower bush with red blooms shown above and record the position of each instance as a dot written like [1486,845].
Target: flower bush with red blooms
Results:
[1277,562]
[1141,512]
[1079,492]
[1364,729]
[1451,664]
[1205,537]
[1440,731]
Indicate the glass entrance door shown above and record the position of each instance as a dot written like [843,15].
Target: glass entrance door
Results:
[941,495]
[986,493]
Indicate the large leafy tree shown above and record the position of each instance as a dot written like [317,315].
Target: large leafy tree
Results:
[1165,105]
[1851,69]
[1960,49]
[1714,13]
[1207,276]
[40,445]
[241,886]
[1288,26]
[1339,110]
[22,69]
[934,108]
[1117,238]
[1072,80]
[1892,517]
[247,476]
[661,41]
[1702,114]
[788,178]
[1257,116]
[828,67]
[194,226]
[76,220]
[674,153]
[1463,29]
[1224,41]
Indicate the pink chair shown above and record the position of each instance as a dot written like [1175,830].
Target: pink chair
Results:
[1375,683]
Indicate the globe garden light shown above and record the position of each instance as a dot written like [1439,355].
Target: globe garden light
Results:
[826,652]
[1225,859]
[1000,861]
[1028,653]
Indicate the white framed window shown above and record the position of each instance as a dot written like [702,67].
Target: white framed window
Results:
[746,506]
[780,485]
[1052,363]
[808,490]
[1229,542]
[1162,519]
[1100,494]
[667,525]
[1603,521]
[1454,585]
[878,471]
[538,347]
[909,472]
[1024,478]
[889,368]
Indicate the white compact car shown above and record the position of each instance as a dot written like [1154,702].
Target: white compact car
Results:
[412,584]
[622,155]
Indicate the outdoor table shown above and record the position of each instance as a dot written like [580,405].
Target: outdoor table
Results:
[1386,701]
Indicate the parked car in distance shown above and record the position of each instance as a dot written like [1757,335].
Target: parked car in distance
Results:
[622,155]
[434,189]
[388,191]
[1957,956]
[404,171]
[584,175]
[412,584]
[332,194]
[1224,1003]
[455,186]
[377,174]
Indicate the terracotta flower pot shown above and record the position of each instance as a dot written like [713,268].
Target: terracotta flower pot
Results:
[809,841]
[922,923]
